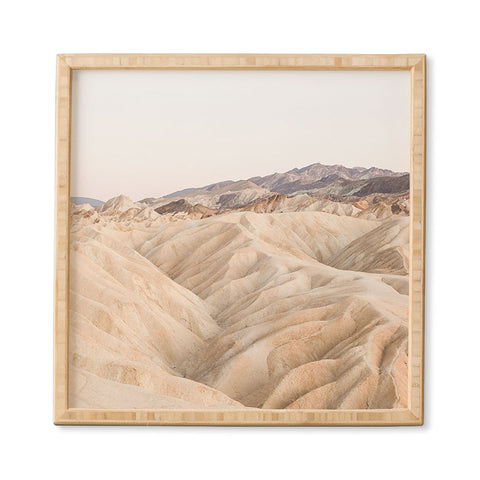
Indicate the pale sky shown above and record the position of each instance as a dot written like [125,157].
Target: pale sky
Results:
[148,133]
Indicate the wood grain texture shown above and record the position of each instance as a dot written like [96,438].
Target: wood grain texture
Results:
[416,64]
[240,61]
[62,199]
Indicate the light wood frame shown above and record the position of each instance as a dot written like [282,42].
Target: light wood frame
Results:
[413,415]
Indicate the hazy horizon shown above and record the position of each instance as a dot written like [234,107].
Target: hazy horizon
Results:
[150,133]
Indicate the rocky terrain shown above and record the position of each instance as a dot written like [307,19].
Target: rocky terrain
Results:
[285,291]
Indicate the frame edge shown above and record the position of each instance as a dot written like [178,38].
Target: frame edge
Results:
[62,194]
[66,63]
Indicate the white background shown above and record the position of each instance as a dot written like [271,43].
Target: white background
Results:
[33,32]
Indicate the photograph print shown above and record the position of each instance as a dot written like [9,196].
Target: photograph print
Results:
[239,240]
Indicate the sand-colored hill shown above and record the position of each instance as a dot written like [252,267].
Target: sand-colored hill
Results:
[131,324]
[280,308]
[182,206]
[371,207]
[237,310]
[382,250]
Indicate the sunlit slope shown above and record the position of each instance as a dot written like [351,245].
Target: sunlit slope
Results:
[295,333]
[132,325]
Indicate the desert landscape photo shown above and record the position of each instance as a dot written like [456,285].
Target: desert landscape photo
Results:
[214,265]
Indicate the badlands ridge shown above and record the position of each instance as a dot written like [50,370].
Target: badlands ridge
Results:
[286,291]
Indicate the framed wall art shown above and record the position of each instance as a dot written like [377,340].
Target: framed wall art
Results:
[239,239]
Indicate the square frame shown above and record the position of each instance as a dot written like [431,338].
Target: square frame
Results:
[415,64]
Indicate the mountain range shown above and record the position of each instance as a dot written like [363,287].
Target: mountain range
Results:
[332,180]
[339,179]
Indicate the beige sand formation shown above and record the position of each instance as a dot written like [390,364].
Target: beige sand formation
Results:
[289,301]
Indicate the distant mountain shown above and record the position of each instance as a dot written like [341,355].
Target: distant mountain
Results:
[82,200]
[186,191]
[217,195]
[342,187]
[317,176]
[148,201]
[182,206]
[385,185]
